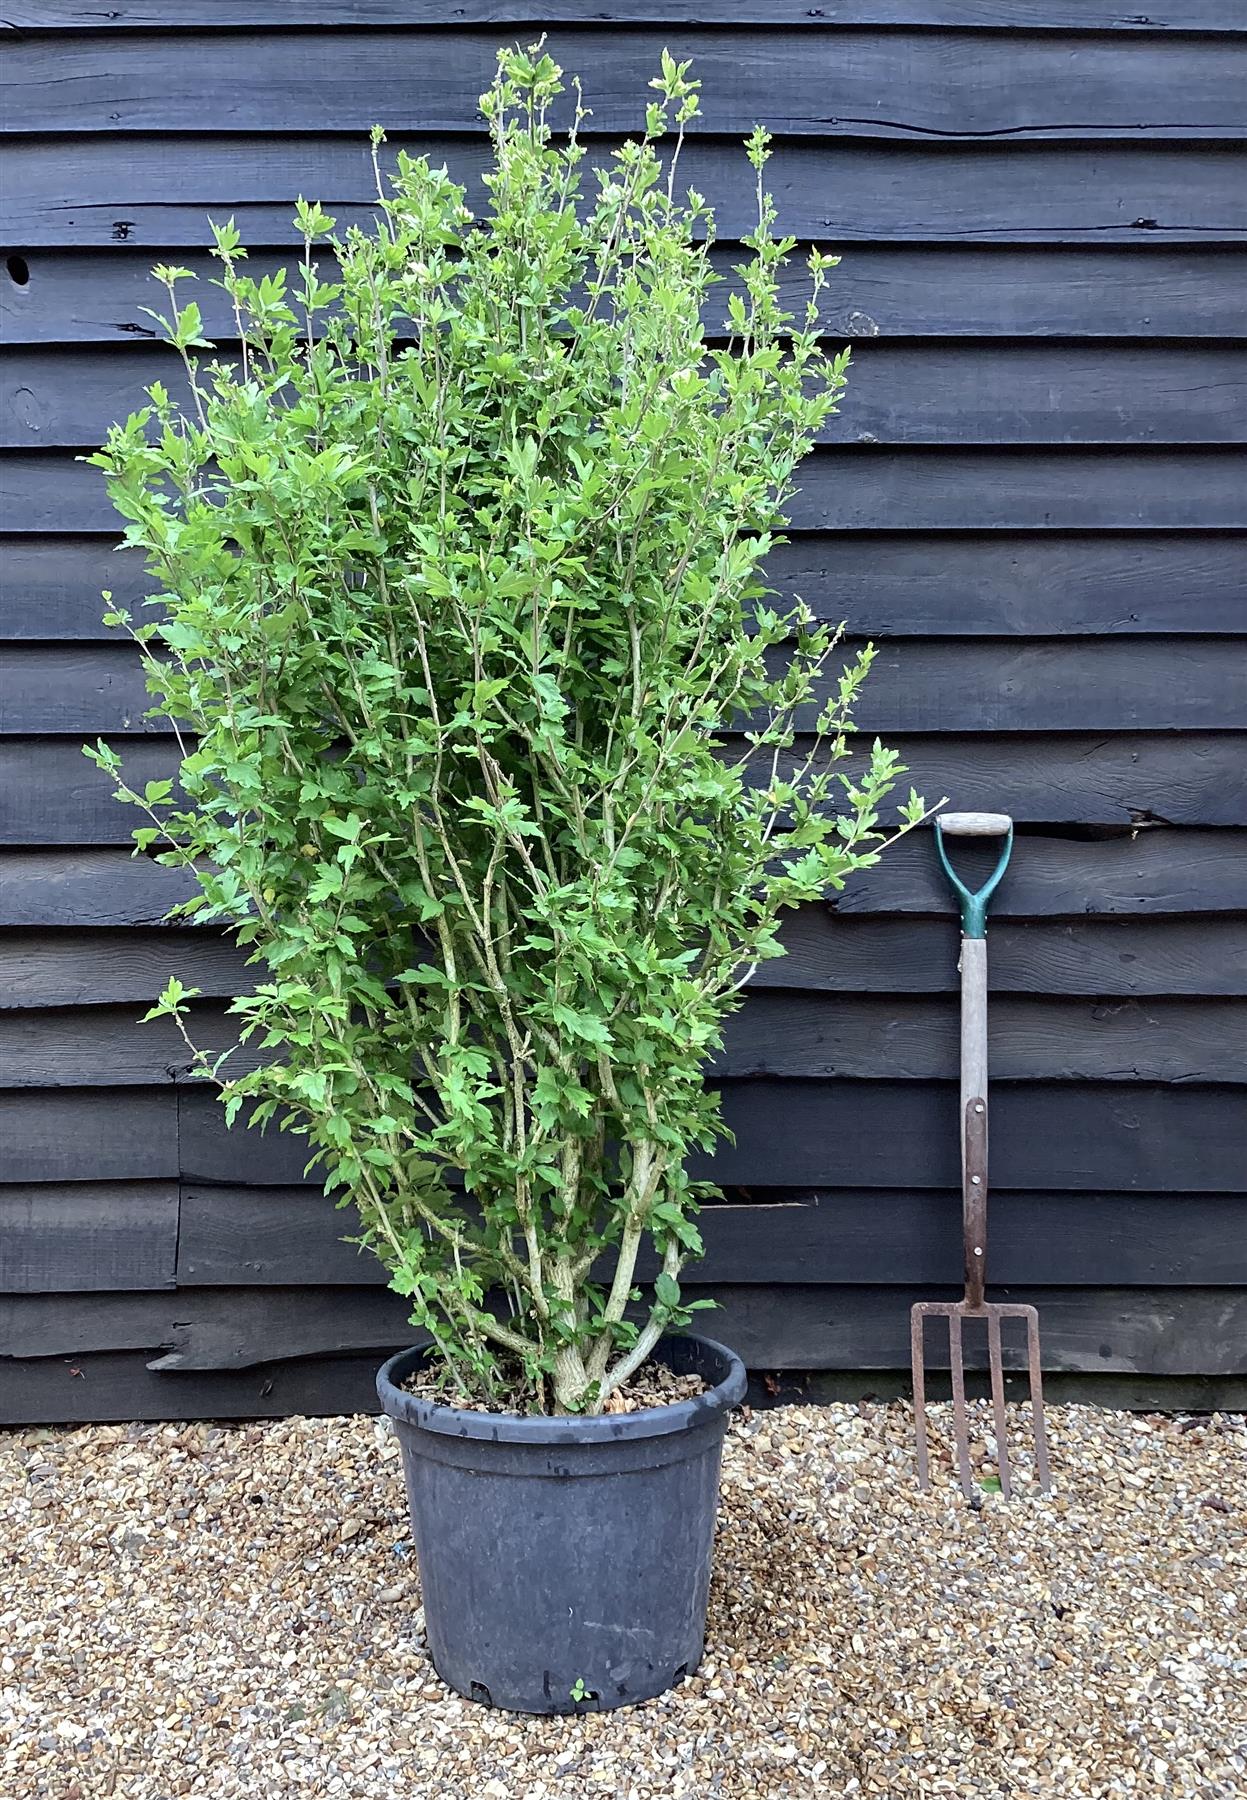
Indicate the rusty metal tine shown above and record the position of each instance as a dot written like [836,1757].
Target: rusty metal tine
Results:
[961,1427]
[996,1360]
[917,1352]
[1037,1414]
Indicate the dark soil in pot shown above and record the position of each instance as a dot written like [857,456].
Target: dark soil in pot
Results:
[565,1562]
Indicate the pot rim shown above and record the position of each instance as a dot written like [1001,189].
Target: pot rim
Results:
[566,1429]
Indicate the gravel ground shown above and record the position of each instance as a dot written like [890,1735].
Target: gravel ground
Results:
[233,1611]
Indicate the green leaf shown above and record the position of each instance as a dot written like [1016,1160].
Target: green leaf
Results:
[667,1290]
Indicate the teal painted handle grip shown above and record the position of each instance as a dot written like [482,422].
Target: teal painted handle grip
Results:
[974,905]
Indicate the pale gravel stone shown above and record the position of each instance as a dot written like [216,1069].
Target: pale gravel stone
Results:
[234,1612]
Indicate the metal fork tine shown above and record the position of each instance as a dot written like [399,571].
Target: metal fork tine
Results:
[1037,1414]
[917,1351]
[961,1428]
[996,1362]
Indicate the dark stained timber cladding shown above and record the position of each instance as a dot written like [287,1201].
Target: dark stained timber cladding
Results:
[126,16]
[1161,684]
[247,1236]
[1172,1331]
[885,584]
[88,1236]
[157,191]
[100,1134]
[892,1134]
[1145,873]
[855,83]
[942,393]
[1032,500]
[829,952]
[880,488]
[890,291]
[119,1385]
[778,1033]
[51,795]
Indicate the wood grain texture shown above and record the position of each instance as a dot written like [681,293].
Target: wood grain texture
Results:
[899,583]
[51,795]
[1061,1137]
[947,393]
[854,83]
[828,952]
[84,888]
[1154,1330]
[119,1385]
[1063,15]
[1115,684]
[778,1033]
[157,191]
[90,1135]
[288,1237]
[855,488]
[881,291]
[88,1236]
[885,584]
[940,489]
[1160,1330]
[1146,872]
[91,967]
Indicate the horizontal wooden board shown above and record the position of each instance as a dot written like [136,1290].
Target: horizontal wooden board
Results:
[889,291]
[886,584]
[1154,1330]
[936,489]
[899,583]
[829,951]
[89,1135]
[287,1237]
[55,586]
[1148,871]
[158,191]
[854,83]
[88,1236]
[1114,684]
[856,488]
[1162,1331]
[778,1033]
[1062,1137]
[98,1046]
[119,1385]
[82,888]
[944,393]
[1063,15]
[51,794]
[205,1329]
[1151,872]
[915,1038]
[91,967]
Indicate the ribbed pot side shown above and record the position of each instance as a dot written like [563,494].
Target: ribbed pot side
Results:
[565,1562]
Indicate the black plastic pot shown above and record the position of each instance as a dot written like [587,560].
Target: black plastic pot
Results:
[565,1562]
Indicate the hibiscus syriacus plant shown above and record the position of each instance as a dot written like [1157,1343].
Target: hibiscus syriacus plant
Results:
[499,753]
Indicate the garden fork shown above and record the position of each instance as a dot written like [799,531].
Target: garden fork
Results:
[974,1191]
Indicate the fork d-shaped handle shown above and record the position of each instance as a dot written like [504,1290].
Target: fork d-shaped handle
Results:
[974,904]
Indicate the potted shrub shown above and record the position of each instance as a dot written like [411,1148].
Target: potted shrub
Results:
[505,765]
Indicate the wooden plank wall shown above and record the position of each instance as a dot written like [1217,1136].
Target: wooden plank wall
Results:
[1033,500]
